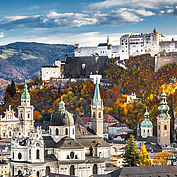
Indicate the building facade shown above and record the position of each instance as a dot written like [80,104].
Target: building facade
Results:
[52,72]
[130,45]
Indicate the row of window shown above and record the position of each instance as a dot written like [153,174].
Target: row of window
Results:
[47,171]
[66,131]
[99,115]
[20,155]
[165,127]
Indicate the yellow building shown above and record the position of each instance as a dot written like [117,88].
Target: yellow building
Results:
[4,169]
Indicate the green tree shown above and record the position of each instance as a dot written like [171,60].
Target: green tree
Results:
[144,156]
[131,155]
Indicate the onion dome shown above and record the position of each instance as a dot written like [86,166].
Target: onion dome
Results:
[163,108]
[62,117]
[25,94]
[146,122]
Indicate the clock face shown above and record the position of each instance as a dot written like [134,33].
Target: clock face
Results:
[37,144]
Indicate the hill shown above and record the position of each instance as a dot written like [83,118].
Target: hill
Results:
[22,60]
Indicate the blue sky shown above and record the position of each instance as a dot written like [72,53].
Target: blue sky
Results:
[87,22]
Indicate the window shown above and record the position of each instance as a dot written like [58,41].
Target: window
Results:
[159,127]
[47,170]
[10,134]
[72,155]
[165,127]
[37,154]
[19,156]
[21,116]
[57,131]
[66,131]
[37,174]
[94,115]
[30,154]
[4,134]
[72,170]
[19,172]
[28,115]
[95,169]
[13,155]
[99,115]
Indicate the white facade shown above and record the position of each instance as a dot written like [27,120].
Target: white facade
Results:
[8,123]
[146,131]
[130,45]
[55,71]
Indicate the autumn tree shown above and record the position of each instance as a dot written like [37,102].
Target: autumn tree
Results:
[161,158]
[37,115]
[131,155]
[144,156]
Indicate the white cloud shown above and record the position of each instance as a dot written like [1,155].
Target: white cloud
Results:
[1,35]
[144,12]
[154,4]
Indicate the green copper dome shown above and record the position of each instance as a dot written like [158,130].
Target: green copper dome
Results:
[62,117]
[25,94]
[146,122]
[163,108]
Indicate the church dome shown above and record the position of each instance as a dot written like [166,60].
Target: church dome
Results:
[146,122]
[25,94]
[62,117]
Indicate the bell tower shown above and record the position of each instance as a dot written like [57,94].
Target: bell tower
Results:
[97,111]
[25,112]
[163,122]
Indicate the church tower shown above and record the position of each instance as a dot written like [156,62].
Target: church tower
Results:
[163,122]
[97,111]
[146,126]
[25,112]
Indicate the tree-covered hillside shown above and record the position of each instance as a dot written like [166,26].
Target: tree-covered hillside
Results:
[21,60]
[139,78]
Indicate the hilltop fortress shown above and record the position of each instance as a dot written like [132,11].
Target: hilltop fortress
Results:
[130,45]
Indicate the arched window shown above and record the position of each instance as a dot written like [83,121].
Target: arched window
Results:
[72,170]
[99,115]
[47,170]
[94,115]
[57,133]
[30,154]
[95,169]
[19,172]
[165,127]
[37,174]
[72,155]
[19,156]
[13,155]
[159,127]
[28,115]
[90,151]
[37,154]
[10,134]
[21,116]
[4,134]
[66,131]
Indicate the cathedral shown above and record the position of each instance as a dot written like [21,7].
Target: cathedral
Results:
[61,150]
[23,122]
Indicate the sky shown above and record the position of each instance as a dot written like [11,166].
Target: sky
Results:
[87,22]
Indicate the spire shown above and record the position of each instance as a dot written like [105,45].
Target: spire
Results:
[146,115]
[25,94]
[108,40]
[97,96]
[163,108]
[146,122]
[154,31]
[61,105]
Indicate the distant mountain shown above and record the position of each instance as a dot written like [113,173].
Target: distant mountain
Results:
[21,60]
